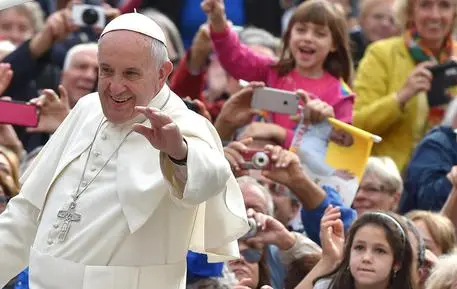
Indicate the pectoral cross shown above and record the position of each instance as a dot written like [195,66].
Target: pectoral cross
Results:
[68,217]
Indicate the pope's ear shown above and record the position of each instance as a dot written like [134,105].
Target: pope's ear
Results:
[165,71]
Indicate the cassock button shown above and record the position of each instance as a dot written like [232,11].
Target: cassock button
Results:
[50,242]
[84,183]
[97,154]
[56,225]
[104,137]
[93,169]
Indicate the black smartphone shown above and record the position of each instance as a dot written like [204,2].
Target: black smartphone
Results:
[444,76]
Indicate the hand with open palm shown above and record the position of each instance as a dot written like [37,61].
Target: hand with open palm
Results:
[164,134]
[332,235]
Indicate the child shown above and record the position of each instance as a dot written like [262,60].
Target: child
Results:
[315,57]
[377,254]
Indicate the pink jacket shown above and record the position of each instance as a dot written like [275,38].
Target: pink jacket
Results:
[242,63]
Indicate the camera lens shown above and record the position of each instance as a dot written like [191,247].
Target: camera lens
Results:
[260,160]
[90,16]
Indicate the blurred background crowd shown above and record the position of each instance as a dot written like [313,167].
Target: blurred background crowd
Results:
[364,62]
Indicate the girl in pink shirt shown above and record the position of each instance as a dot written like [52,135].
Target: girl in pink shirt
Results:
[315,58]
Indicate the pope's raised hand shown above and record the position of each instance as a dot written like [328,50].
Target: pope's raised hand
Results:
[163,134]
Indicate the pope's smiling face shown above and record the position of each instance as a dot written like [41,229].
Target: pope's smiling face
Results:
[128,74]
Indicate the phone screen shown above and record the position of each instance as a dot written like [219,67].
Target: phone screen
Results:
[19,113]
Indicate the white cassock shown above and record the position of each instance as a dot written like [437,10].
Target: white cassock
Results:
[139,216]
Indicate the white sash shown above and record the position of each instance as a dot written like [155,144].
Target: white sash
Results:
[47,272]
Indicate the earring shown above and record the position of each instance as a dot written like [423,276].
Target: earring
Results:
[395,274]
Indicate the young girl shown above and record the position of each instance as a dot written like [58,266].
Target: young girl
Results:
[315,57]
[377,254]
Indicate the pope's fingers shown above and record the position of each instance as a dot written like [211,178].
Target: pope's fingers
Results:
[142,129]
[157,118]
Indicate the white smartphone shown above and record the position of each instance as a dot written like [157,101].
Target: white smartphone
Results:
[275,100]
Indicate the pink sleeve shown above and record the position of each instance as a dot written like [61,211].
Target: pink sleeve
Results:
[289,137]
[343,109]
[237,59]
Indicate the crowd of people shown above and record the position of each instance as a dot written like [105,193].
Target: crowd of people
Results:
[366,63]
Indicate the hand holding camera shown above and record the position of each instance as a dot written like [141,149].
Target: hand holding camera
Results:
[6,74]
[268,230]
[237,111]
[57,28]
[53,110]
[93,14]
[419,80]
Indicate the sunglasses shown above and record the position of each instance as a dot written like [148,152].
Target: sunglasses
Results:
[251,255]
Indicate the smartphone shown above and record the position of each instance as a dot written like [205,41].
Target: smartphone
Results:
[444,76]
[275,100]
[19,113]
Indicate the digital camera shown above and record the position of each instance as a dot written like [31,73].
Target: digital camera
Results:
[89,15]
[444,76]
[256,160]
[252,229]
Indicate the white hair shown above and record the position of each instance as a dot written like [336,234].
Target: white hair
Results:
[451,113]
[444,272]
[386,171]
[159,53]
[248,180]
[77,49]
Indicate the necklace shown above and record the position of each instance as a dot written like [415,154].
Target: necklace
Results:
[69,215]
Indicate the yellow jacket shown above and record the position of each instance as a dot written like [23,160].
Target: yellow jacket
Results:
[382,72]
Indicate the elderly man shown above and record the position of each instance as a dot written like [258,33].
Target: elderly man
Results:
[78,78]
[127,184]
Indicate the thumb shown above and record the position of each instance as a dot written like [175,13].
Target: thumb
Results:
[303,95]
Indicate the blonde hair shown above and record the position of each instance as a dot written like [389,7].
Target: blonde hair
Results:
[365,6]
[385,169]
[14,163]
[439,226]
[32,10]
[444,272]
[403,11]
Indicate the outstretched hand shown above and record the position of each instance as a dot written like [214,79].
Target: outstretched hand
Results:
[53,110]
[164,134]
[332,234]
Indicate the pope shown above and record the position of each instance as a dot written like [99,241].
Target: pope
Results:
[129,182]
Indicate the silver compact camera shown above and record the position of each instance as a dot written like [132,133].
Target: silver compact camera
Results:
[89,15]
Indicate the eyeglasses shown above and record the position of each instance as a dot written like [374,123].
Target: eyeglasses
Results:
[251,255]
[370,188]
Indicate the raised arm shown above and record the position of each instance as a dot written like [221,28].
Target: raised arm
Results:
[236,58]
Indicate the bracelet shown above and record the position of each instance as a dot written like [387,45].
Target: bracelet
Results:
[182,162]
